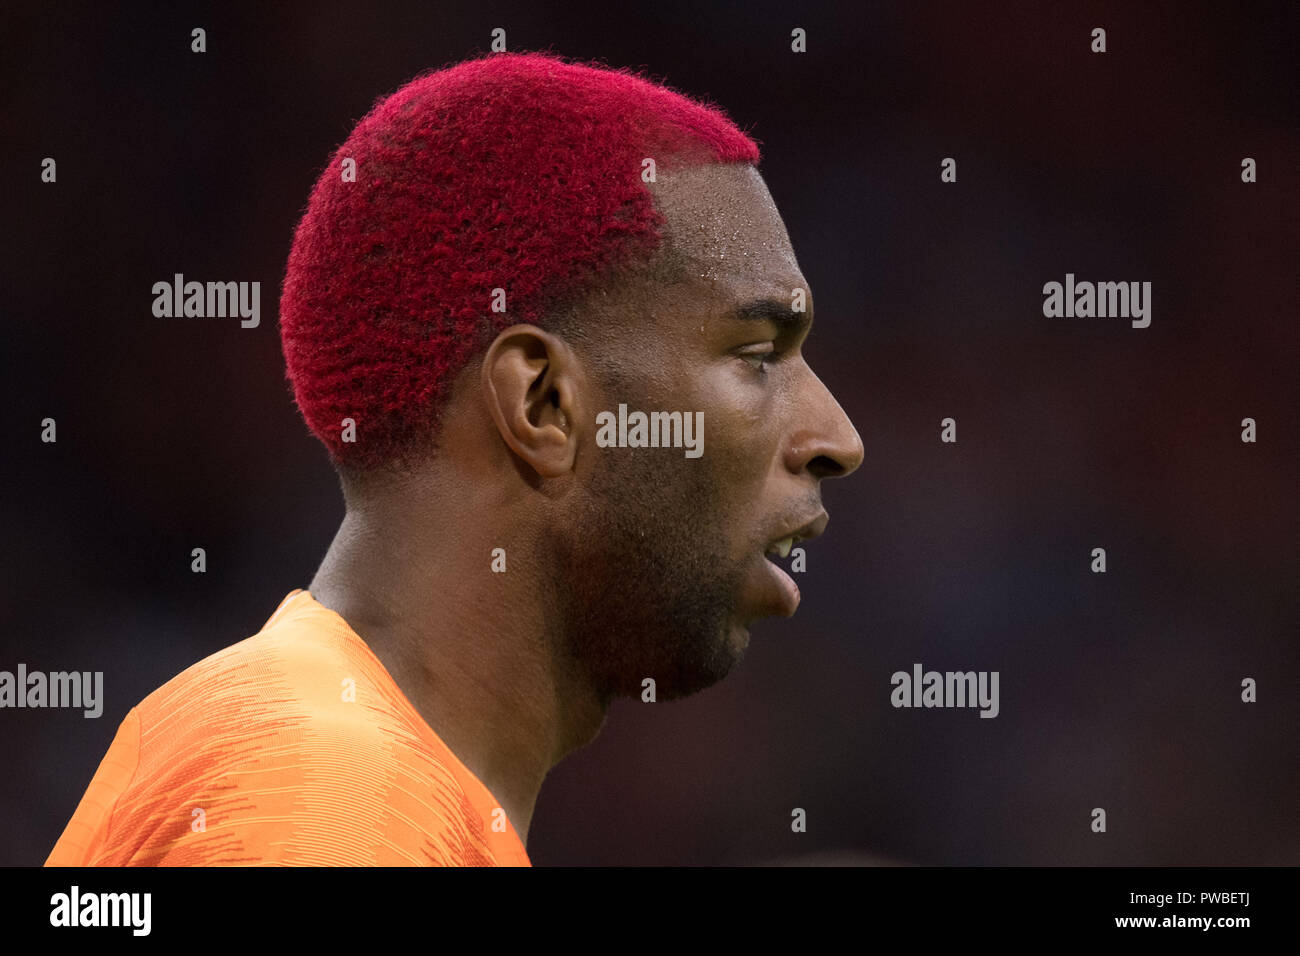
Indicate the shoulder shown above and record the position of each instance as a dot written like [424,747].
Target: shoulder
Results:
[289,748]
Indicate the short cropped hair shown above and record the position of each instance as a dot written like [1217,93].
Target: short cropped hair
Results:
[518,172]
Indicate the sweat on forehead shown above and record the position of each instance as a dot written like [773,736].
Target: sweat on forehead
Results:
[722,219]
[474,197]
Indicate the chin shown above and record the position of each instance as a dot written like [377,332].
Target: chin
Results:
[735,641]
[728,650]
[738,638]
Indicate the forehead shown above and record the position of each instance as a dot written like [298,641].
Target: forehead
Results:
[724,229]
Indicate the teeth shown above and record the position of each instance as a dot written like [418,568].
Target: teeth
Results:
[783,546]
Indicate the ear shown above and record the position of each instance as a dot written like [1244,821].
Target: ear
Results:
[531,383]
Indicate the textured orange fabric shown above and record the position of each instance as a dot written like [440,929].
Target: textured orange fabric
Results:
[256,756]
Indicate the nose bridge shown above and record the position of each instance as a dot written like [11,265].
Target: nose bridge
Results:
[823,440]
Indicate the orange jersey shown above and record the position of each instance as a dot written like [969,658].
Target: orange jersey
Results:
[293,747]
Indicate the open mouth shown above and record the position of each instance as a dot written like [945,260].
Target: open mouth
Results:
[781,548]
[780,593]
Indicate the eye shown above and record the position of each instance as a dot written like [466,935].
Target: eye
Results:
[758,356]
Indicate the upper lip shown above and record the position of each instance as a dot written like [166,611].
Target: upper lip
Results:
[806,531]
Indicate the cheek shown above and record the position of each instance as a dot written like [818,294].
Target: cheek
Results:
[741,437]
[744,417]
[741,444]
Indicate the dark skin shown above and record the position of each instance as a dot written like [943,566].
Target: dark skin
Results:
[622,563]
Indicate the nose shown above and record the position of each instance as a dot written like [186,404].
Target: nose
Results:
[824,441]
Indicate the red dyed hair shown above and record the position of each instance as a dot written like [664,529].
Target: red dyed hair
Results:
[514,171]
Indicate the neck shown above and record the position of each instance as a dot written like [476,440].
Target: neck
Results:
[477,653]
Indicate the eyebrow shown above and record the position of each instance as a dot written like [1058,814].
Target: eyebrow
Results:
[775,311]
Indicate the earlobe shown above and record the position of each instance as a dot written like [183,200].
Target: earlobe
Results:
[529,380]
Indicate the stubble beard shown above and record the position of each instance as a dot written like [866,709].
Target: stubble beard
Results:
[645,588]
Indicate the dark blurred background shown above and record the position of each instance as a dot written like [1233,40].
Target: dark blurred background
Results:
[1119,691]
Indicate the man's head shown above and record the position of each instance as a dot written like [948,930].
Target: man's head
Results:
[677,293]
[473,198]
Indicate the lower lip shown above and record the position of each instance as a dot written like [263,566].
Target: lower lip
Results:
[781,593]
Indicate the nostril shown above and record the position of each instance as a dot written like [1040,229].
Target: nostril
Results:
[823,466]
